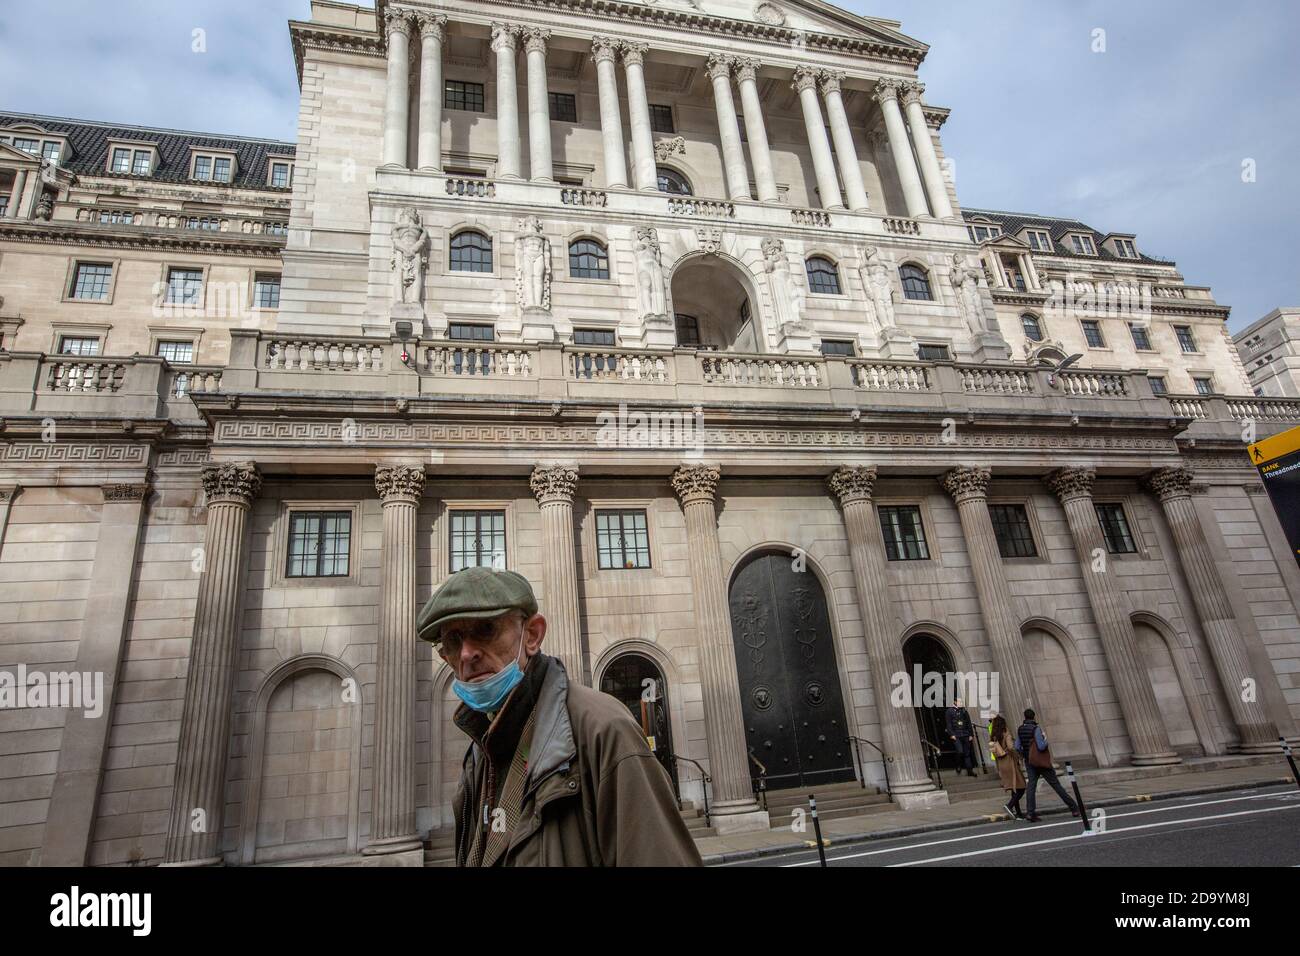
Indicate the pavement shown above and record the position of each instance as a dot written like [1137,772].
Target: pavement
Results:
[1110,787]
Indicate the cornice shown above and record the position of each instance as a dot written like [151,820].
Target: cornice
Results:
[190,240]
[324,37]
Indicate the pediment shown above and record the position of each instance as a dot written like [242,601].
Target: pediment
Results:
[9,154]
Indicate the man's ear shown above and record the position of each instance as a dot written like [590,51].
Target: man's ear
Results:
[534,633]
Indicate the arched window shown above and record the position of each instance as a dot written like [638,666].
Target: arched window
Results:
[822,275]
[916,284]
[673,182]
[1033,328]
[588,260]
[471,252]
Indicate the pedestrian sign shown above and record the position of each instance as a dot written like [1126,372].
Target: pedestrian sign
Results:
[1278,461]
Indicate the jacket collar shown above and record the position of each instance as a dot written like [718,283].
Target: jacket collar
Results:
[553,744]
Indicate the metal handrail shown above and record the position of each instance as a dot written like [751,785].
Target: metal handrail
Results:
[703,777]
[857,752]
[761,789]
[938,773]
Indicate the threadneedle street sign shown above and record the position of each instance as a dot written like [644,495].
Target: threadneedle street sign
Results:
[1278,461]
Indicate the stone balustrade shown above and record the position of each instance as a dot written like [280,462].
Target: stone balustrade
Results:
[173,219]
[1187,407]
[472,187]
[720,368]
[84,374]
[478,359]
[701,208]
[1093,383]
[612,364]
[592,198]
[310,354]
[810,217]
[890,376]
[902,227]
[983,379]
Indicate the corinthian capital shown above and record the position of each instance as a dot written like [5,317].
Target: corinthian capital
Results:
[695,483]
[912,93]
[805,78]
[535,39]
[886,89]
[633,52]
[1168,483]
[1070,483]
[397,20]
[431,24]
[852,483]
[236,481]
[966,483]
[553,483]
[718,65]
[604,49]
[503,37]
[399,483]
[829,80]
[747,68]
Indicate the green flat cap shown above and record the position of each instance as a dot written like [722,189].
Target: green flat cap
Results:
[474,593]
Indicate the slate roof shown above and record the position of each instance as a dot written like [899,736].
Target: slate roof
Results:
[1058,229]
[89,142]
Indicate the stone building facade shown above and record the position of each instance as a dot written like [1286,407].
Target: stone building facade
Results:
[1270,351]
[671,307]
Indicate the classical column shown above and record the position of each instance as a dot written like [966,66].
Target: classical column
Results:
[198,795]
[1173,486]
[539,108]
[887,96]
[638,117]
[70,817]
[553,487]
[901,741]
[733,155]
[756,130]
[397,102]
[696,486]
[969,489]
[845,151]
[392,821]
[805,83]
[1137,701]
[429,144]
[503,44]
[17,207]
[7,495]
[604,52]
[935,186]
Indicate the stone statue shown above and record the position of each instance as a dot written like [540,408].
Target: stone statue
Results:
[879,283]
[649,273]
[410,257]
[532,265]
[787,295]
[967,283]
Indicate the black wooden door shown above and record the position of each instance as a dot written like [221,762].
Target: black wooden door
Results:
[789,682]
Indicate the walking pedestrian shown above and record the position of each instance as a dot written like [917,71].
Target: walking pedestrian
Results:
[1032,743]
[1003,747]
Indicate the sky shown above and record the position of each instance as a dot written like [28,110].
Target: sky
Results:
[1179,122]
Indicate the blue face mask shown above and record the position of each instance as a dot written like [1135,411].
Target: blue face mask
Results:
[488,695]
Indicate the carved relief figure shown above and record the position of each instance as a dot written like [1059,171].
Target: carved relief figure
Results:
[967,283]
[649,273]
[879,284]
[532,265]
[410,257]
[787,294]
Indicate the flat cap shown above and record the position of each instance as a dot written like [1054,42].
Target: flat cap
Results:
[474,593]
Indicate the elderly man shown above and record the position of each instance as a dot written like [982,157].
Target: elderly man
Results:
[557,774]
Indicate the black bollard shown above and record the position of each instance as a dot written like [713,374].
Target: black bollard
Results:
[1074,785]
[817,827]
[1286,749]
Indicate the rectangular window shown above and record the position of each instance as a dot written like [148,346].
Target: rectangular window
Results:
[980,233]
[1092,334]
[142,163]
[1011,527]
[459,95]
[266,291]
[181,353]
[78,345]
[1114,528]
[203,167]
[834,347]
[661,119]
[1204,386]
[478,539]
[593,337]
[185,286]
[688,330]
[1141,341]
[121,161]
[621,540]
[1158,386]
[1126,249]
[1083,245]
[32,146]
[91,280]
[50,151]
[319,543]
[280,175]
[1185,339]
[221,170]
[904,534]
[1039,241]
[932,353]
[465,332]
[564,107]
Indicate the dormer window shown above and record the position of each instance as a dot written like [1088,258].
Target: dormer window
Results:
[1039,240]
[1082,244]
[281,175]
[980,232]
[121,161]
[213,167]
[27,145]
[30,141]
[131,159]
[50,151]
[1125,249]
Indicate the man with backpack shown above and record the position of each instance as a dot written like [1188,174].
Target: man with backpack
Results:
[1032,744]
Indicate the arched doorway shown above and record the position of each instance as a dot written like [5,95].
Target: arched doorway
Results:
[1171,696]
[790,693]
[933,657]
[1060,708]
[638,682]
[712,306]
